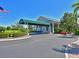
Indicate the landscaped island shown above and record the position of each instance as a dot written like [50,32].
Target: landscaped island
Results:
[12,31]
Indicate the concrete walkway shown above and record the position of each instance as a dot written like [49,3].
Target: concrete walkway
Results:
[37,46]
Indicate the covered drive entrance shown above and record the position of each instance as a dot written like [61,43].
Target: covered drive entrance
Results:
[37,26]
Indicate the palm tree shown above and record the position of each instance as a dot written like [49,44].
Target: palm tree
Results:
[76,8]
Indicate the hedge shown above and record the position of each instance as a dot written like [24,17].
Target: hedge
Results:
[15,33]
[4,35]
[18,34]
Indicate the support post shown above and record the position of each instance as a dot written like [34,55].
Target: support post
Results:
[27,29]
[53,28]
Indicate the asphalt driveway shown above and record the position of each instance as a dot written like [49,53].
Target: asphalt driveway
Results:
[38,46]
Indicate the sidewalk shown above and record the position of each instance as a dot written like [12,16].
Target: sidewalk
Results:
[73,56]
[18,38]
[74,52]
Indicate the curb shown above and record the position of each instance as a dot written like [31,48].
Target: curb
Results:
[11,39]
[66,54]
[76,41]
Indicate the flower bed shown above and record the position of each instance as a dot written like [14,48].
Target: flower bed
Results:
[63,33]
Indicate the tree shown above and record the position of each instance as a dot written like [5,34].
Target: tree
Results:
[2,29]
[76,8]
[14,27]
[8,28]
[68,23]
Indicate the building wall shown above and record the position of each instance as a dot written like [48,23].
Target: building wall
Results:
[45,19]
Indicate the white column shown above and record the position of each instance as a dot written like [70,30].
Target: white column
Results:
[50,28]
[27,28]
[53,28]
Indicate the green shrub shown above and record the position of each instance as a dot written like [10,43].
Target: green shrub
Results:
[12,33]
[19,34]
[77,32]
[4,35]
[58,30]
[23,29]
[8,28]
[30,30]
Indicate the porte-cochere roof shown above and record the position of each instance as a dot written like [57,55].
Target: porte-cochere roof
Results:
[23,21]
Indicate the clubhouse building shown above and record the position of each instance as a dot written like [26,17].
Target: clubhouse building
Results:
[42,24]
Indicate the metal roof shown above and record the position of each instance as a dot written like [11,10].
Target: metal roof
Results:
[22,21]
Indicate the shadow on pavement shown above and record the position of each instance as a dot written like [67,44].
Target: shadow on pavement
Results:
[59,50]
[38,33]
[67,49]
[65,37]
[73,51]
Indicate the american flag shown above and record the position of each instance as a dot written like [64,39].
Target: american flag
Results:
[3,10]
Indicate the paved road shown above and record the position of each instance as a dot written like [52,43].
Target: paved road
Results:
[38,46]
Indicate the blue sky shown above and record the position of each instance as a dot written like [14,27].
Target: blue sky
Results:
[31,9]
